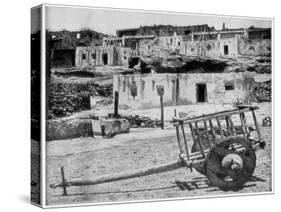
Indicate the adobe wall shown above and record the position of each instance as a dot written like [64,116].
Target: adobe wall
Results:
[93,56]
[226,45]
[148,47]
[145,46]
[172,42]
[254,47]
[180,89]
[211,48]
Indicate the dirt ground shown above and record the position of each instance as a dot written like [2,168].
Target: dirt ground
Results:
[88,158]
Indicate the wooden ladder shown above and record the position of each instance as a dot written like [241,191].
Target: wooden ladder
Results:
[120,55]
[202,42]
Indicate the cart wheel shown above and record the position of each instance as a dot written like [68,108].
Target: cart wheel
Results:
[231,163]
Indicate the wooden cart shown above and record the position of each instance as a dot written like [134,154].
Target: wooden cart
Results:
[222,148]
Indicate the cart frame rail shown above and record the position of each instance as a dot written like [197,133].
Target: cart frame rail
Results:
[208,122]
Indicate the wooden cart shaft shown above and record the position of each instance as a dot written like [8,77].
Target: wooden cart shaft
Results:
[120,176]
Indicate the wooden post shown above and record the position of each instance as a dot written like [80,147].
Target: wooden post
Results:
[160,92]
[64,184]
[162,112]
[116,102]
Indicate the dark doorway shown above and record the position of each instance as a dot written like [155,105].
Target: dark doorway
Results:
[225,49]
[104,59]
[201,92]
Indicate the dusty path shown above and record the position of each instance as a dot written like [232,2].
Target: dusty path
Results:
[88,158]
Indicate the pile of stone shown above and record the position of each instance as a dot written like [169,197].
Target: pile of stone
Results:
[137,121]
[67,98]
[266,122]
[262,92]
[264,69]
[260,68]
[104,90]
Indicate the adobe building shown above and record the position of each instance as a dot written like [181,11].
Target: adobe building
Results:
[229,43]
[162,40]
[101,55]
[163,30]
[140,91]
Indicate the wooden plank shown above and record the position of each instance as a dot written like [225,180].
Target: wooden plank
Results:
[207,133]
[192,132]
[228,125]
[213,115]
[220,128]
[257,125]
[178,134]
[199,140]
[213,132]
[185,142]
[242,126]
[245,124]
[178,139]
[232,127]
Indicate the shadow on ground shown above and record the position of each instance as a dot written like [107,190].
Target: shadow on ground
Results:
[194,183]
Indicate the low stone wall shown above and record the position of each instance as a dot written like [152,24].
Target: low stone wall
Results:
[110,127]
[86,126]
[69,128]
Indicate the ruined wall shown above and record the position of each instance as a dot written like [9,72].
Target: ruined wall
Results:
[93,56]
[148,47]
[210,48]
[140,91]
[254,47]
[126,54]
[145,46]
[161,45]
[172,42]
[100,55]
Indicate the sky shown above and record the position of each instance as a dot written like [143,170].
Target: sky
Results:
[108,21]
[35,19]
